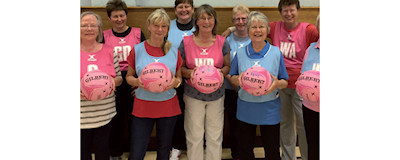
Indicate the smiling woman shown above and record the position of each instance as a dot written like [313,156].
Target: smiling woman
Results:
[204,113]
[91,27]
[121,38]
[96,115]
[161,108]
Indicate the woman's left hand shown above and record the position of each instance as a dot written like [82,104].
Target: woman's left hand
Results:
[222,77]
[174,82]
[273,86]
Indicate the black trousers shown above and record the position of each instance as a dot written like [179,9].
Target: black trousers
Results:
[311,124]
[96,140]
[179,137]
[230,105]
[121,123]
[270,138]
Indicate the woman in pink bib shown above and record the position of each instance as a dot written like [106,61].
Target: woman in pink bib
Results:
[204,113]
[121,38]
[96,115]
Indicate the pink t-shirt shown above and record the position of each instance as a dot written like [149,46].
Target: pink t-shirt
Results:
[122,45]
[101,60]
[293,44]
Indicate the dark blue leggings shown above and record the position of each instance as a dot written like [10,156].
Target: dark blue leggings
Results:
[140,135]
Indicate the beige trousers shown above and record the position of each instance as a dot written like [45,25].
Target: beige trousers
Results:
[204,118]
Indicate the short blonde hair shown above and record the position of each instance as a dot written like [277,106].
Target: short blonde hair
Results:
[240,8]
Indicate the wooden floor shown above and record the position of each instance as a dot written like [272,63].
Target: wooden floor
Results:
[226,154]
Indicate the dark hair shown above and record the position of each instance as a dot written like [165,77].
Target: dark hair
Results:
[288,3]
[210,11]
[116,5]
[177,2]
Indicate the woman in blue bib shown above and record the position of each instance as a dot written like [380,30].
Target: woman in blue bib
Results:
[261,110]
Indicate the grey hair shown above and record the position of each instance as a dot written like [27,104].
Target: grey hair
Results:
[99,24]
[257,16]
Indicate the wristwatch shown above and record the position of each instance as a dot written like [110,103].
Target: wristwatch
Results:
[179,84]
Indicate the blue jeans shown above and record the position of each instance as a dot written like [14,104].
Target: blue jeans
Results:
[140,135]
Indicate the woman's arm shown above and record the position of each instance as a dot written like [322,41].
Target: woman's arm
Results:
[118,78]
[131,78]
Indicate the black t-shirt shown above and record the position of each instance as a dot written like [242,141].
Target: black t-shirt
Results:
[185,27]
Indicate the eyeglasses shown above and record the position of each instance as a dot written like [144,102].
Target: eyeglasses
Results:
[238,19]
[86,26]
[206,18]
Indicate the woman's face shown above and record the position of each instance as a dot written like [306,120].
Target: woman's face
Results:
[158,30]
[118,19]
[89,27]
[258,31]
[240,21]
[184,11]
[289,14]
[205,22]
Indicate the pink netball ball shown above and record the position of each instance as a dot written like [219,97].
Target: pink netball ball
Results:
[256,80]
[307,85]
[207,79]
[156,77]
[96,85]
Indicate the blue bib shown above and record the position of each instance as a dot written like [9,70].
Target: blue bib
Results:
[142,58]
[175,35]
[234,45]
[312,61]
[270,61]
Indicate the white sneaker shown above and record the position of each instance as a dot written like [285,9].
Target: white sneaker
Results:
[175,154]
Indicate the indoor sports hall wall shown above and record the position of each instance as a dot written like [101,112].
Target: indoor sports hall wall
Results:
[215,3]
[137,15]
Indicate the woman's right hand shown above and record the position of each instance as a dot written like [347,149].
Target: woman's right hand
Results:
[137,82]
[226,33]
[83,96]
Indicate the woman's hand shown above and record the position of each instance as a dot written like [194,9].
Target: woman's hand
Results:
[234,80]
[276,84]
[138,82]
[222,77]
[83,96]
[191,72]
[174,82]
[226,33]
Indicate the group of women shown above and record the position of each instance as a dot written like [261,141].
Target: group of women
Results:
[183,44]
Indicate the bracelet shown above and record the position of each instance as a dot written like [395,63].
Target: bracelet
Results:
[179,84]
